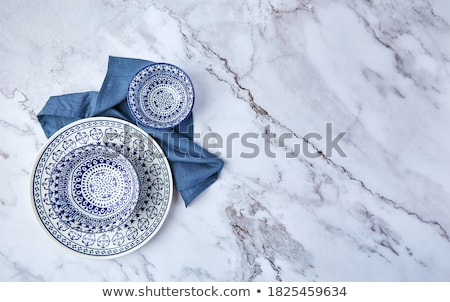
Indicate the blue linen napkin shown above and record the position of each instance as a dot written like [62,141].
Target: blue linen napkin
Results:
[193,168]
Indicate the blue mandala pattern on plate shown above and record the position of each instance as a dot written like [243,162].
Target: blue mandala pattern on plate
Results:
[101,187]
[93,188]
[161,95]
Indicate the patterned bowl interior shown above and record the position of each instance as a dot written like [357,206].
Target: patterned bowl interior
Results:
[161,95]
[93,189]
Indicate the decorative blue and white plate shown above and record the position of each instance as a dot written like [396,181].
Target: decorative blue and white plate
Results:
[161,95]
[101,187]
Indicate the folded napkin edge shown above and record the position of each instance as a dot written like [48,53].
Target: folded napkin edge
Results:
[189,195]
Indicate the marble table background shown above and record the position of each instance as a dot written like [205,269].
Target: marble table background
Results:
[377,70]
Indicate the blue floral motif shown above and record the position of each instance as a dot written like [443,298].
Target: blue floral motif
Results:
[103,241]
[138,145]
[156,198]
[96,134]
[46,199]
[152,211]
[158,184]
[132,233]
[149,156]
[118,239]
[124,138]
[69,144]
[62,226]
[46,183]
[82,137]
[143,224]
[74,234]
[111,134]
[88,239]
[52,214]
[49,168]
[57,155]
[155,169]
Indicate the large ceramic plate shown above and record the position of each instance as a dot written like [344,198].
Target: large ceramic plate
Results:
[161,95]
[101,187]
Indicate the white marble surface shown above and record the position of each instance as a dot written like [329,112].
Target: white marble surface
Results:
[378,70]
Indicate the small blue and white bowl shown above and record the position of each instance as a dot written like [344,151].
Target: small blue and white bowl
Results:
[161,95]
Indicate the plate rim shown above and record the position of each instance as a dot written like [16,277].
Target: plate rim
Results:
[154,125]
[39,156]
